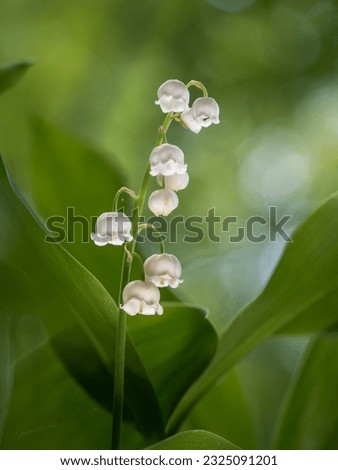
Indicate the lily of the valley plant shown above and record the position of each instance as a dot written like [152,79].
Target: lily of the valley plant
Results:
[167,164]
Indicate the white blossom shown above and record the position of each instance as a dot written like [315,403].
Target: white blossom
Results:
[163,270]
[203,113]
[163,202]
[173,96]
[141,297]
[113,228]
[166,160]
[174,182]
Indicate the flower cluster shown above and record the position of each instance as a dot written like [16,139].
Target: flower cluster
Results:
[144,296]
[173,96]
[166,163]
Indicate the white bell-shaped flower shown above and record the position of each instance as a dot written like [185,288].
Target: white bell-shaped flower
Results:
[163,202]
[174,182]
[163,270]
[113,228]
[203,113]
[141,297]
[166,160]
[173,96]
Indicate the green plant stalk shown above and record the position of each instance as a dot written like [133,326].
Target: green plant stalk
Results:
[120,359]
[125,275]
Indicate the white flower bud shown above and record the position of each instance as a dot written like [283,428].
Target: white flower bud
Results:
[113,228]
[173,96]
[163,202]
[163,270]
[203,113]
[174,182]
[167,159]
[141,297]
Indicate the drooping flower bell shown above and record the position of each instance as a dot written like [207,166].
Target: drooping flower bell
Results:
[163,270]
[166,160]
[163,202]
[113,228]
[174,182]
[203,113]
[141,297]
[173,96]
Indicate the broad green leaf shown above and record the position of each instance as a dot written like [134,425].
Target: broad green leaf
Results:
[265,376]
[11,74]
[181,340]
[225,411]
[45,405]
[194,440]
[244,406]
[48,408]
[310,416]
[78,312]
[306,275]
[316,317]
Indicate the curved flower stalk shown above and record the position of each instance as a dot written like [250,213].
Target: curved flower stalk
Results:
[166,163]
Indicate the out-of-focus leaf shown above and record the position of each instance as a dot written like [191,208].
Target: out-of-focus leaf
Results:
[44,402]
[306,275]
[244,406]
[224,410]
[48,408]
[265,376]
[315,318]
[194,440]
[11,74]
[174,348]
[310,416]
[71,300]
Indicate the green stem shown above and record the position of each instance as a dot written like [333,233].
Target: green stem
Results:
[139,258]
[120,360]
[125,275]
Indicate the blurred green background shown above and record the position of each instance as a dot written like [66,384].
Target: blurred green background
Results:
[272,67]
